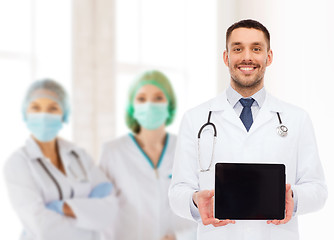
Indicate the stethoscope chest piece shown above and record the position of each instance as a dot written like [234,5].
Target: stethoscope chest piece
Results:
[282,130]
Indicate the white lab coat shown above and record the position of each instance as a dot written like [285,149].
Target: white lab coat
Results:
[30,188]
[144,211]
[298,151]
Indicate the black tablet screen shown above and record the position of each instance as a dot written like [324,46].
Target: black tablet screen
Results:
[249,191]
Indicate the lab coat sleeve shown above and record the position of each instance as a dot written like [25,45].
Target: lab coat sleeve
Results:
[105,163]
[94,213]
[28,202]
[108,164]
[310,184]
[185,175]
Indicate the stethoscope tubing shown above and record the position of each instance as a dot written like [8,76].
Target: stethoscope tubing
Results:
[60,192]
[282,130]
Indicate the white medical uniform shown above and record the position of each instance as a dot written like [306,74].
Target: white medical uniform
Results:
[144,211]
[31,188]
[298,151]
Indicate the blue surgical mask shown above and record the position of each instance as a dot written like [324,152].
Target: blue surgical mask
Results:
[44,126]
[151,115]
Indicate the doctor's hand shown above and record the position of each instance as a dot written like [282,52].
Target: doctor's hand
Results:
[56,206]
[101,190]
[168,237]
[205,203]
[61,207]
[289,204]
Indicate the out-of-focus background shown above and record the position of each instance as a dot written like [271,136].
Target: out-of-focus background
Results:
[95,48]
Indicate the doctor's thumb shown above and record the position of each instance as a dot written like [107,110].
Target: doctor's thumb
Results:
[211,193]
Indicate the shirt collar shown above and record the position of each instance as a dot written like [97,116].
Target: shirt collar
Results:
[233,96]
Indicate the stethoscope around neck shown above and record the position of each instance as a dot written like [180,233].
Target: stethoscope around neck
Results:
[54,180]
[281,130]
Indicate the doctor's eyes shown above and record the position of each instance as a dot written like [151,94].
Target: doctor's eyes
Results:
[255,49]
[159,98]
[155,98]
[49,109]
[53,109]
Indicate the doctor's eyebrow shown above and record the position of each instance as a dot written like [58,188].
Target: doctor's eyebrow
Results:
[235,44]
[253,44]
[258,44]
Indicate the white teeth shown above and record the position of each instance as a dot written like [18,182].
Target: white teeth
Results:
[246,69]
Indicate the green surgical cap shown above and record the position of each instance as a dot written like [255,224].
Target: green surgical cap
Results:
[159,80]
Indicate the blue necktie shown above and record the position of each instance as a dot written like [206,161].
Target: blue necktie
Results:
[246,114]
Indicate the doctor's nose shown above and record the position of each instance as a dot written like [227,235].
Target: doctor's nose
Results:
[247,55]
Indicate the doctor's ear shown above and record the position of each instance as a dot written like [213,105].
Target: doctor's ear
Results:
[225,57]
[269,58]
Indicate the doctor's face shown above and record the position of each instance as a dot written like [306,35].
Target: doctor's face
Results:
[247,57]
[150,93]
[44,105]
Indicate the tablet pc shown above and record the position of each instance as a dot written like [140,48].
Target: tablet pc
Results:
[245,191]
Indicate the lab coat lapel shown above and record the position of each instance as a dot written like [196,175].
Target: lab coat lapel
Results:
[66,150]
[32,149]
[226,111]
[263,116]
[231,116]
[34,152]
[269,109]
[266,113]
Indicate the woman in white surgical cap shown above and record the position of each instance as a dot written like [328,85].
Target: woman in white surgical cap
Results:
[54,187]
[140,165]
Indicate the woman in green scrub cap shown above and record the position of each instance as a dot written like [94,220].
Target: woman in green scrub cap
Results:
[140,165]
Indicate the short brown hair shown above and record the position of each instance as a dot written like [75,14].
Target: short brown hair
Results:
[248,23]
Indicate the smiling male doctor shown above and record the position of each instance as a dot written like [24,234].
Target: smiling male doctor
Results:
[246,118]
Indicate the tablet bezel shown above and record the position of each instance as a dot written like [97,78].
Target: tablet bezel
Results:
[240,167]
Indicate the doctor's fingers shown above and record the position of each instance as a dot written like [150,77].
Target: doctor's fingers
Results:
[276,222]
[287,218]
[208,221]
[169,237]
[289,211]
[289,205]
[221,223]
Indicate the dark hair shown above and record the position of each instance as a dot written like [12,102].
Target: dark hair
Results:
[248,23]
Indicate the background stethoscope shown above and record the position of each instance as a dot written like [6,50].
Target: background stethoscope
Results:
[60,192]
[282,131]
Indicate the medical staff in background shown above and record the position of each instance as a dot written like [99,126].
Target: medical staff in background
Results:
[139,165]
[53,185]
[245,124]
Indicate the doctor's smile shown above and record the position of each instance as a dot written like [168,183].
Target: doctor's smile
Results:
[247,69]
